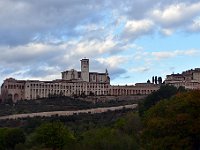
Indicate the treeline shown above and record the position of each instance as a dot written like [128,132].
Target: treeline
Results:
[110,130]
[55,135]
[167,119]
[171,119]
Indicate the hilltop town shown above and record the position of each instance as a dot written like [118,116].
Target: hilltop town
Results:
[86,83]
[73,83]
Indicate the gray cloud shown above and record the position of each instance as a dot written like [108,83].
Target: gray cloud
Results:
[135,29]
[137,9]
[56,34]
[36,60]
[22,20]
[41,71]
[176,15]
[140,69]
[170,54]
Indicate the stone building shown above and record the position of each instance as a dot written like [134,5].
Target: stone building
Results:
[73,83]
[137,89]
[189,79]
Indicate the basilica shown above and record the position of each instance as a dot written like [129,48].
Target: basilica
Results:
[72,83]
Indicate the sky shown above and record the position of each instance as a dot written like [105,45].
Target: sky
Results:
[133,39]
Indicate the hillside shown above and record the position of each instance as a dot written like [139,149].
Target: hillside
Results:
[56,104]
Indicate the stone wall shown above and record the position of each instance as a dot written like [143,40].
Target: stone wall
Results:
[110,98]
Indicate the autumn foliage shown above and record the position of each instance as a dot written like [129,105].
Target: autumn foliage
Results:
[173,123]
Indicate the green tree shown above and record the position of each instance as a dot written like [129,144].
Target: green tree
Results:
[174,123]
[153,80]
[129,124]
[53,135]
[107,139]
[159,80]
[2,138]
[20,146]
[165,92]
[156,80]
[9,137]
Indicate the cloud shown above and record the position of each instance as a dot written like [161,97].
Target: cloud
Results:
[134,29]
[41,38]
[140,69]
[114,60]
[169,54]
[194,26]
[114,64]
[27,54]
[94,46]
[42,71]
[58,53]
[133,9]
[176,15]
[44,60]
[167,32]
[22,20]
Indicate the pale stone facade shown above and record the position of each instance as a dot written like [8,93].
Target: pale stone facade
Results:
[137,89]
[189,79]
[72,83]
[85,70]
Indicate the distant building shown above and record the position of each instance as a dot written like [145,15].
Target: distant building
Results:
[189,79]
[73,83]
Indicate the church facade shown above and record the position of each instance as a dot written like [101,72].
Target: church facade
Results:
[72,83]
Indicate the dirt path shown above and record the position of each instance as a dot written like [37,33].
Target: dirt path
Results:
[68,113]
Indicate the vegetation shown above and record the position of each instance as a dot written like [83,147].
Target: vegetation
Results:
[173,123]
[53,135]
[170,120]
[116,125]
[56,104]
[10,137]
[165,92]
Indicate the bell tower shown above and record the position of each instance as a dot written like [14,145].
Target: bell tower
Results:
[85,69]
